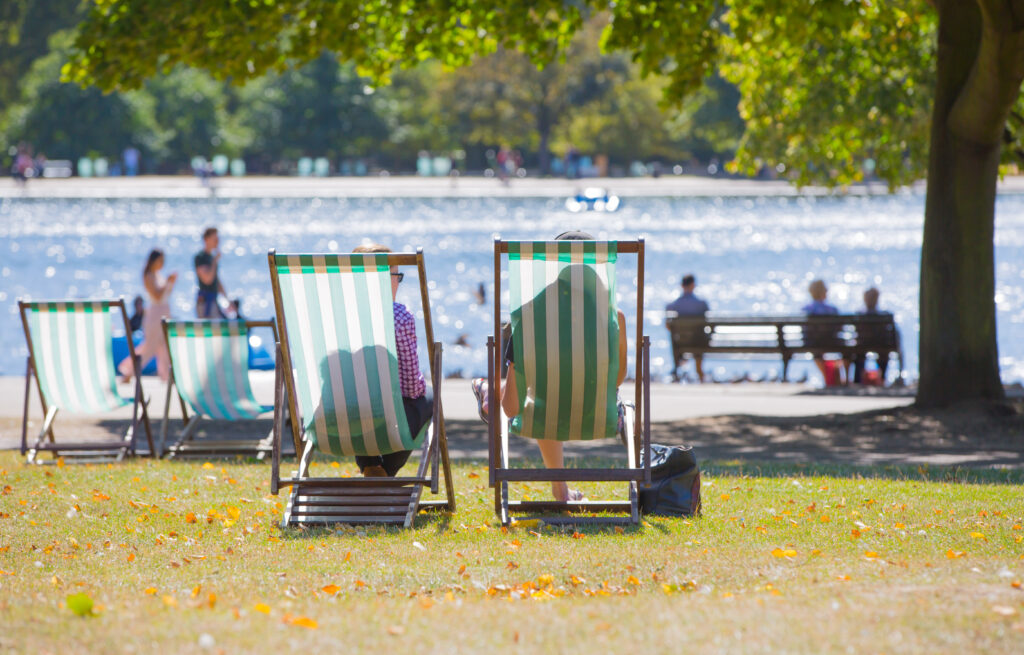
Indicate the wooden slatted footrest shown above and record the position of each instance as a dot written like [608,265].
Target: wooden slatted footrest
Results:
[318,504]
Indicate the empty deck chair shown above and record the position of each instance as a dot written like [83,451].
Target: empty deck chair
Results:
[70,356]
[562,305]
[210,370]
[337,374]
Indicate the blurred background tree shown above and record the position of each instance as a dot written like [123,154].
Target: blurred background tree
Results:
[596,102]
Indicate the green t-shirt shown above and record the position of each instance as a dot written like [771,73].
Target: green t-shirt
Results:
[204,258]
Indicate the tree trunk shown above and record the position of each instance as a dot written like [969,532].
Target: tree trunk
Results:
[977,83]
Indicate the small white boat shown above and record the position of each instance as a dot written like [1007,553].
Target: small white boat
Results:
[593,199]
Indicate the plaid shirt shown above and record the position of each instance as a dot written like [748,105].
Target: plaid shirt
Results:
[410,380]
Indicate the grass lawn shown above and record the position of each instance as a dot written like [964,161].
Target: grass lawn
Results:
[187,557]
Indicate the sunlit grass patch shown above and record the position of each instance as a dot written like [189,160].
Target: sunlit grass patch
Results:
[785,557]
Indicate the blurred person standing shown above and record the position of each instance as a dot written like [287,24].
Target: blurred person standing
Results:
[207,263]
[153,343]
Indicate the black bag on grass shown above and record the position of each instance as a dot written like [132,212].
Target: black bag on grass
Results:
[675,482]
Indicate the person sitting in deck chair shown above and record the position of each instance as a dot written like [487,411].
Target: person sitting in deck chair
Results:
[418,404]
[550,449]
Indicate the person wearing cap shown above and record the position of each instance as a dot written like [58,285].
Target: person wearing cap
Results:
[687,304]
[508,393]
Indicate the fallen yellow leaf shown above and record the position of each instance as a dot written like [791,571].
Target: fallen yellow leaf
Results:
[262,608]
[303,622]
[330,589]
[953,554]
[789,552]
[149,591]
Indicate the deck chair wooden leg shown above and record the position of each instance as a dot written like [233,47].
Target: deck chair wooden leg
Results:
[24,414]
[47,429]
[436,428]
[279,414]
[503,513]
[302,472]
[146,425]
[167,415]
[634,503]
[188,431]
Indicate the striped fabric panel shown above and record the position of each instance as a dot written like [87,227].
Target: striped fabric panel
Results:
[74,355]
[339,317]
[211,368]
[565,338]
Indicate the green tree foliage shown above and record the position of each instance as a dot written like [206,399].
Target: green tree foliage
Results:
[192,108]
[507,99]
[25,29]
[321,109]
[64,120]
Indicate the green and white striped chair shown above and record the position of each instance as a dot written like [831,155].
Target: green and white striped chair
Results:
[210,370]
[338,377]
[565,345]
[70,355]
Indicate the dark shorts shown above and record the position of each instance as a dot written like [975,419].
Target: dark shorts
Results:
[418,412]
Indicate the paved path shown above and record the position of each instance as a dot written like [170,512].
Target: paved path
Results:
[764,423]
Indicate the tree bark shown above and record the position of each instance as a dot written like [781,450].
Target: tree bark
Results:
[978,80]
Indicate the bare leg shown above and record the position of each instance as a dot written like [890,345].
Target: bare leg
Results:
[551,453]
[698,361]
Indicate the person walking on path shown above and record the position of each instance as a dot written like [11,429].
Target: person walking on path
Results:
[153,343]
[688,304]
[207,262]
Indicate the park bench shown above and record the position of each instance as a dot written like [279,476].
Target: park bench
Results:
[849,335]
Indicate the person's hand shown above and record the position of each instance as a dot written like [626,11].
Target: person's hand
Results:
[172,277]
[216,255]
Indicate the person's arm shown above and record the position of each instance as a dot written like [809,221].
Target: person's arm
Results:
[622,349]
[206,273]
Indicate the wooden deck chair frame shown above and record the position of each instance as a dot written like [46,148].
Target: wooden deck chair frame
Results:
[326,500]
[637,427]
[84,451]
[186,443]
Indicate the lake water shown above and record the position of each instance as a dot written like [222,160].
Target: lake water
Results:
[750,255]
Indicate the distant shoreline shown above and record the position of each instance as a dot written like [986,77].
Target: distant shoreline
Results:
[411,186]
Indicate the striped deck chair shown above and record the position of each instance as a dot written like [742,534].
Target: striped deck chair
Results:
[70,356]
[562,305]
[210,370]
[338,373]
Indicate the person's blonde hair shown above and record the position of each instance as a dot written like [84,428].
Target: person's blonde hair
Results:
[818,290]
[370,248]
